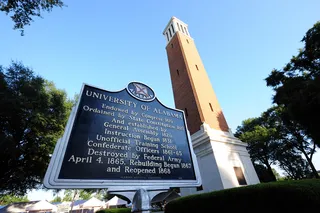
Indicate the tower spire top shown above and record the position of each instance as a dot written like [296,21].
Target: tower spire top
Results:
[174,26]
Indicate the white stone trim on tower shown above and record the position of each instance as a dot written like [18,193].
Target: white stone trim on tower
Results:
[175,25]
[218,152]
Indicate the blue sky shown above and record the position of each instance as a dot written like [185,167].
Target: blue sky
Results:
[110,43]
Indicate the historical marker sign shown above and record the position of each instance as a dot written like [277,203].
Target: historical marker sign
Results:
[126,138]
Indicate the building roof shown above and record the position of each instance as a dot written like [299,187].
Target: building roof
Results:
[116,201]
[41,206]
[92,202]
[17,207]
[78,202]
[56,203]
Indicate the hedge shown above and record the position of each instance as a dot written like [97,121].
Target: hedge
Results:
[296,196]
[117,210]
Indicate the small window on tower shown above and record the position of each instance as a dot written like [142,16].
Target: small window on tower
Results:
[186,30]
[171,45]
[172,28]
[240,176]
[178,27]
[197,67]
[177,71]
[181,28]
[170,33]
[211,107]
[187,41]
[186,112]
[167,36]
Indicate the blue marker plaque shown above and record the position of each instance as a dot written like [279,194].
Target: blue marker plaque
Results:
[124,137]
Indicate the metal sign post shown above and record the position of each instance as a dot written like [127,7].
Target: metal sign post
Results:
[141,202]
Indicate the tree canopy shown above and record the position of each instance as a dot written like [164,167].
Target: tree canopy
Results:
[109,196]
[22,12]
[261,145]
[33,114]
[7,199]
[56,199]
[297,85]
[84,194]
[271,141]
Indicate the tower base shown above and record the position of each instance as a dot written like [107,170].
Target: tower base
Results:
[223,159]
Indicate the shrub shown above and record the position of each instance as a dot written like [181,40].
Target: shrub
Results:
[284,195]
[117,210]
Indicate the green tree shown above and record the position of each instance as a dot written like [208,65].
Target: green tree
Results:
[294,166]
[261,144]
[56,199]
[23,11]
[33,114]
[276,174]
[297,85]
[263,173]
[273,141]
[68,195]
[9,198]
[293,142]
[85,194]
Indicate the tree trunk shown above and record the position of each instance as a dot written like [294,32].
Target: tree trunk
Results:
[314,171]
[301,141]
[270,171]
[72,202]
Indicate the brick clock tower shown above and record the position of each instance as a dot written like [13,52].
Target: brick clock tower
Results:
[223,159]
